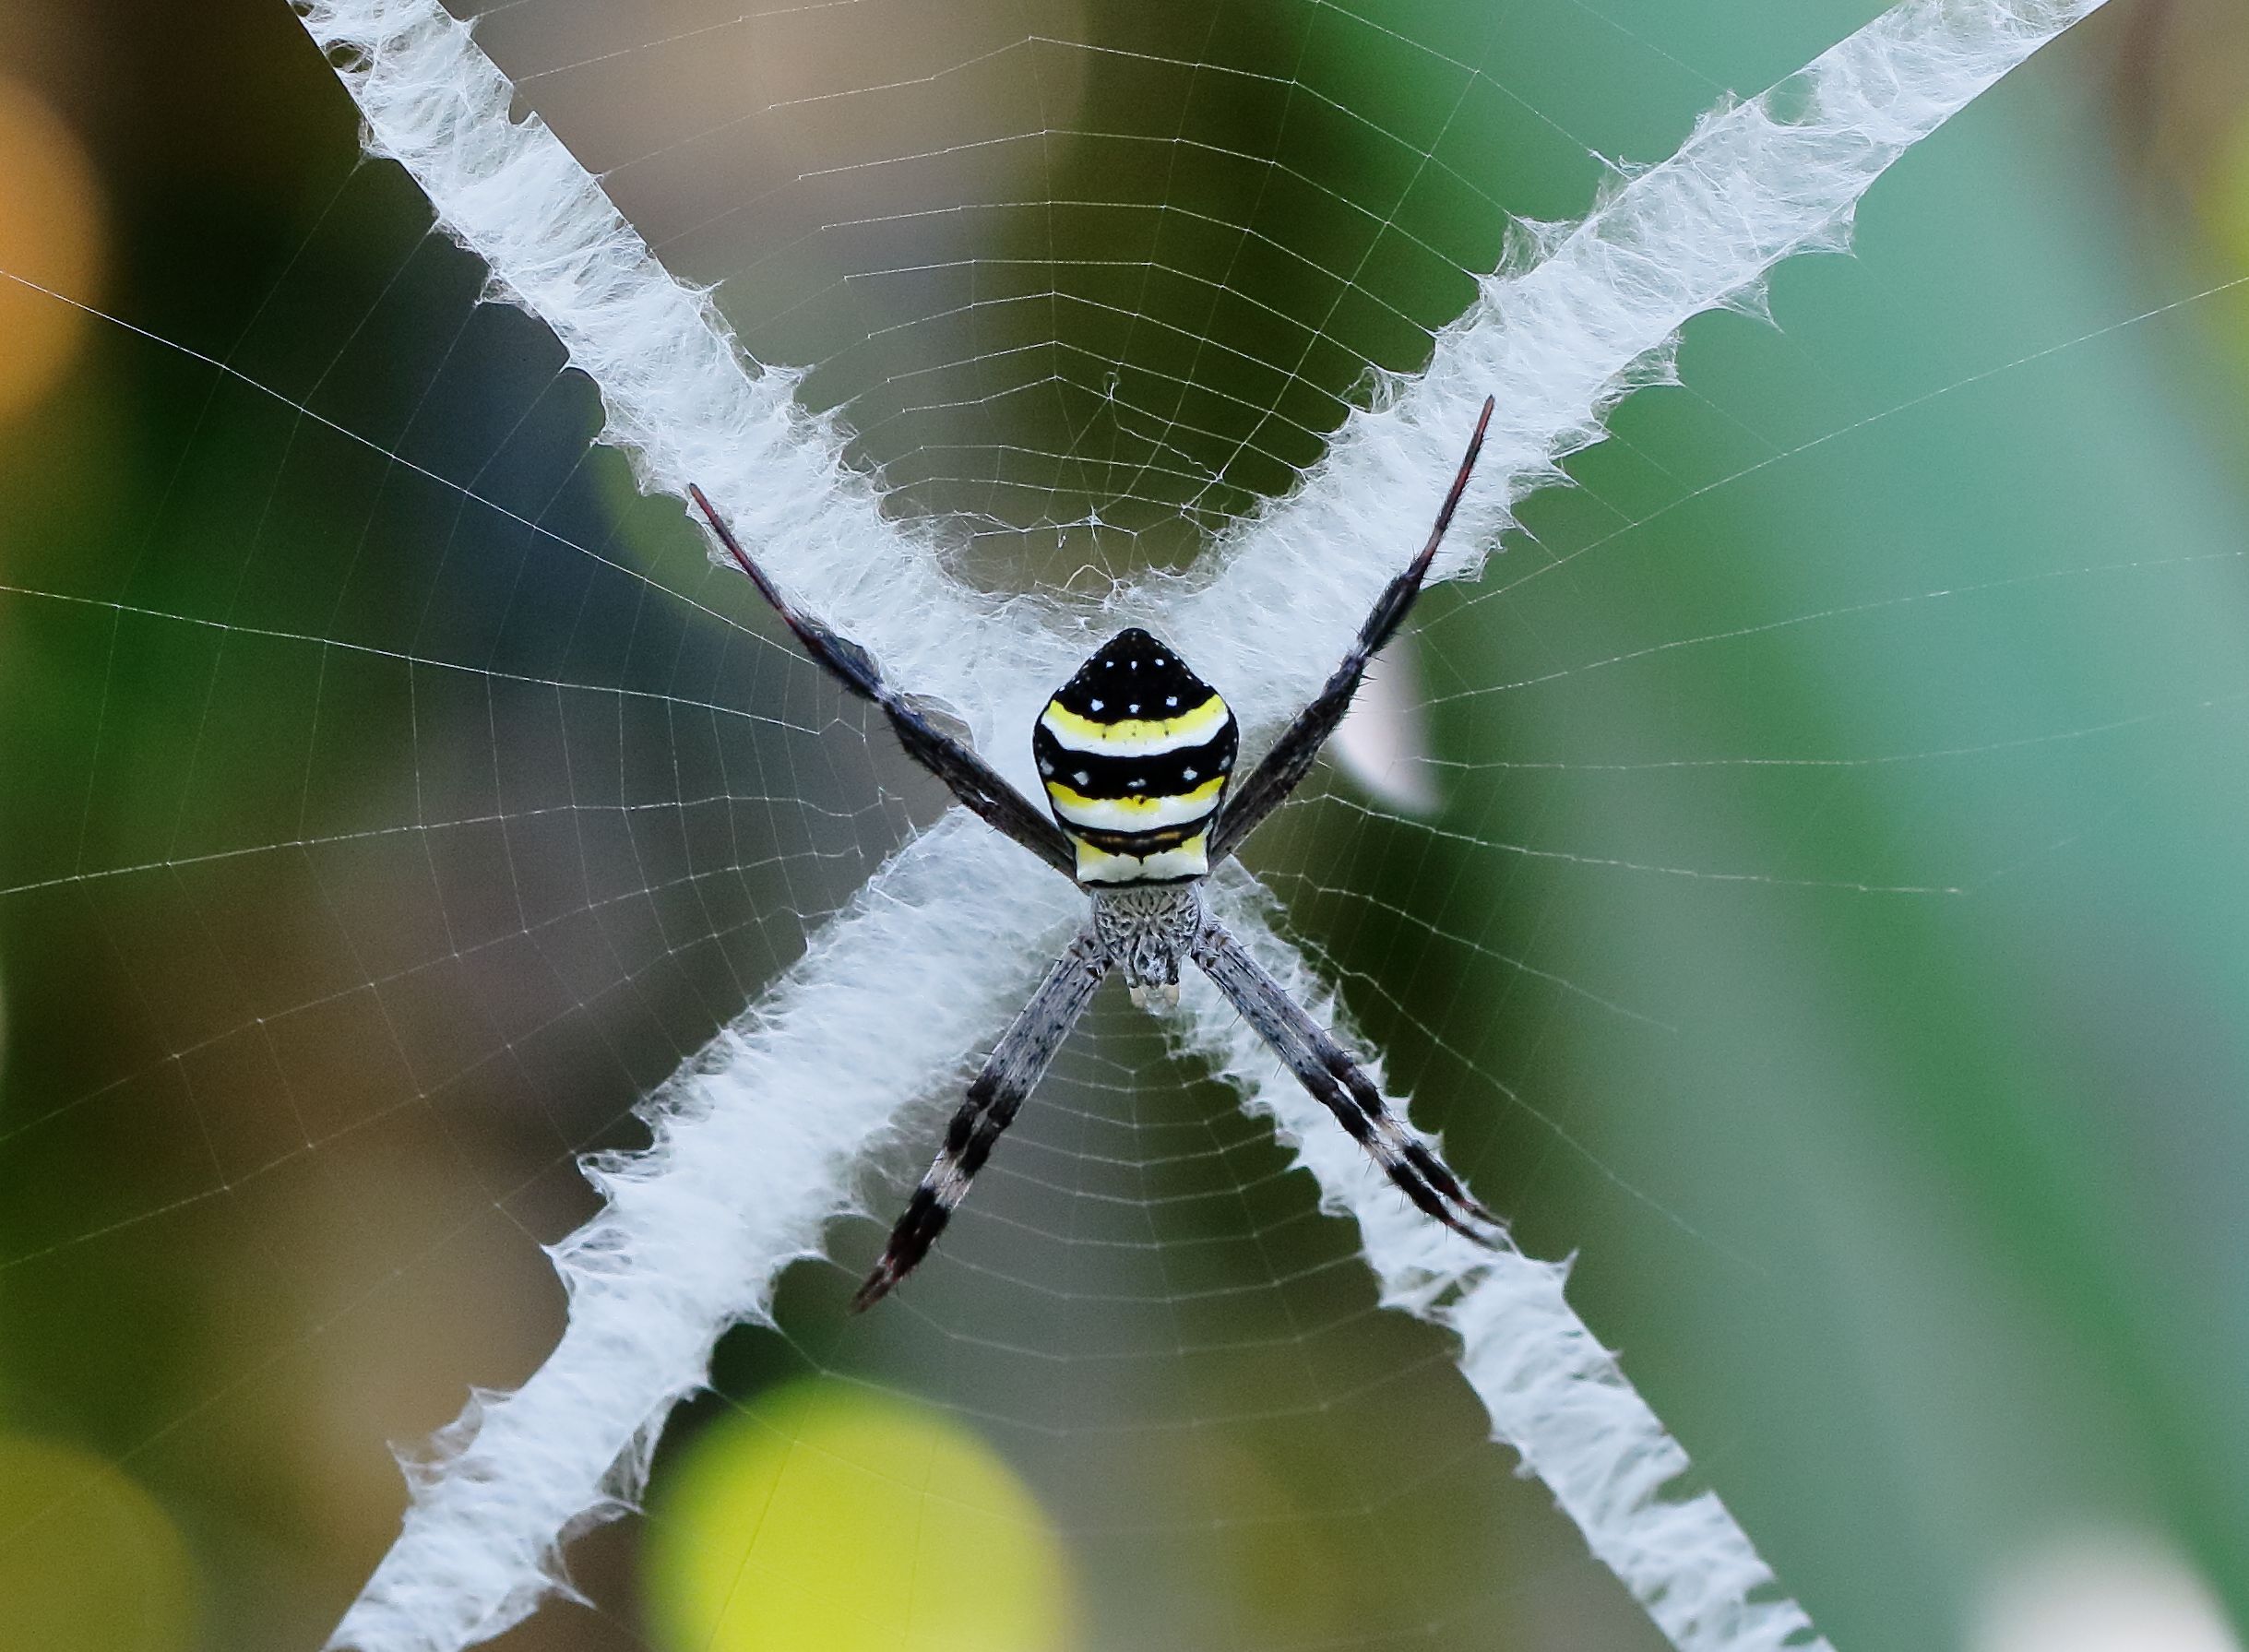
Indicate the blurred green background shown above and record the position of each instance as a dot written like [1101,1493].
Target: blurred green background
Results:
[1829,924]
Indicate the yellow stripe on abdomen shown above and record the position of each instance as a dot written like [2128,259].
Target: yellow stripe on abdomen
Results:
[1132,737]
[1186,860]
[1133,814]
[1134,751]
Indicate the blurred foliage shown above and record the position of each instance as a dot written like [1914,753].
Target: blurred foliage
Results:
[365,851]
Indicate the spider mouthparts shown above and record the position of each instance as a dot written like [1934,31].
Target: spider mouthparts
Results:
[1154,994]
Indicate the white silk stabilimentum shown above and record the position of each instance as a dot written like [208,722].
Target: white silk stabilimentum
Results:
[745,1171]
[1553,1392]
[1594,317]
[755,1141]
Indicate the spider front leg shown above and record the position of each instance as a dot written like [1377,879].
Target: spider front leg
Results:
[968,776]
[1015,1066]
[1339,1083]
[1290,761]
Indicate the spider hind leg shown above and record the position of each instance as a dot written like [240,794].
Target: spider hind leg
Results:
[1395,1146]
[1336,1079]
[1016,1065]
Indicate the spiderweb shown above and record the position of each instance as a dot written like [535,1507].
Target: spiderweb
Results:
[403,799]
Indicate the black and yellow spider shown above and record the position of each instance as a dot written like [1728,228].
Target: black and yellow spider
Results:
[1136,753]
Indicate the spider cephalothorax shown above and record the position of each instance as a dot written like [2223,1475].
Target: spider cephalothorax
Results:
[1147,929]
[1137,755]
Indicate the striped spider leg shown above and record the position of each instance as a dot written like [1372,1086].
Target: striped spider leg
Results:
[1016,1065]
[1340,1085]
[1135,754]
[1290,759]
[969,778]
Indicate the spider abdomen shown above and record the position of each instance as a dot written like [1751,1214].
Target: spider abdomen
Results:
[1134,753]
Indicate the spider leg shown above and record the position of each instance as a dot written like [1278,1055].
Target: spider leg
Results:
[1290,761]
[1337,1080]
[1016,1065]
[969,778]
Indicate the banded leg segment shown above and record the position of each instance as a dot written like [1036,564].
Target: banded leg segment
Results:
[1016,1065]
[968,776]
[1337,1082]
[1284,767]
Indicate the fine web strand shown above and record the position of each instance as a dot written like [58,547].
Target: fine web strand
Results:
[681,398]
[1553,1393]
[756,1138]
[1596,315]
[1559,342]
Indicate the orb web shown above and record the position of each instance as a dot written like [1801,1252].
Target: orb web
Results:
[413,797]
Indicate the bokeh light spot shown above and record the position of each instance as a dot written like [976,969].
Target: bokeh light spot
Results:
[51,217]
[88,1561]
[2101,1592]
[829,1517]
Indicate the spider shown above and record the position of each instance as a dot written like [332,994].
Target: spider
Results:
[1137,753]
